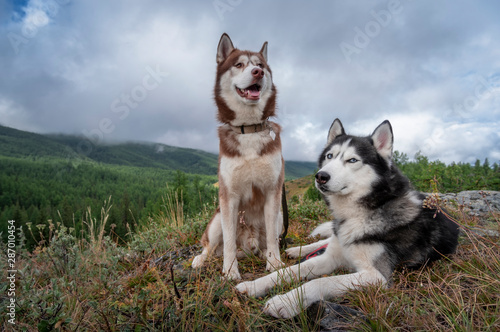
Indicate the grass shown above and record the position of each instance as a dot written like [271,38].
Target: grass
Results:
[70,283]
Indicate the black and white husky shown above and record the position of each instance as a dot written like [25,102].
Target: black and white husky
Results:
[379,224]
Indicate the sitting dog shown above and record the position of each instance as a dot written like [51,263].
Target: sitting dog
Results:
[251,167]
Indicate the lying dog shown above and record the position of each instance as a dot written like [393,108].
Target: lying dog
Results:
[379,224]
[251,167]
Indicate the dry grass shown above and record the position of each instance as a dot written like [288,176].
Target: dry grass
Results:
[92,284]
[298,187]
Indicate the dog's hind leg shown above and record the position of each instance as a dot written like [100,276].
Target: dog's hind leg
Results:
[324,230]
[303,251]
[211,240]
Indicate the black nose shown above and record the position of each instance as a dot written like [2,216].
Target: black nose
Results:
[322,177]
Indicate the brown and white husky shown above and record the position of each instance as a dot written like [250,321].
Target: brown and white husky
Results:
[251,166]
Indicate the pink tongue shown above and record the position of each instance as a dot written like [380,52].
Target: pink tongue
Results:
[253,93]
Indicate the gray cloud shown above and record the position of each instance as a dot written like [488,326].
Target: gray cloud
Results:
[89,67]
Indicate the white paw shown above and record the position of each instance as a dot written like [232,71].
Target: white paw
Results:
[274,264]
[198,261]
[282,306]
[233,274]
[293,252]
[257,288]
[247,287]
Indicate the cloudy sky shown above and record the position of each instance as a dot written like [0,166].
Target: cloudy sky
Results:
[144,70]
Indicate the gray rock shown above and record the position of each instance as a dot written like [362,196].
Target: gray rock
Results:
[475,202]
[334,317]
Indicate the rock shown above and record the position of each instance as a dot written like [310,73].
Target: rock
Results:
[176,257]
[474,202]
[176,260]
[485,232]
[334,317]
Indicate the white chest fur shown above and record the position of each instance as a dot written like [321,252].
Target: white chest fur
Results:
[251,168]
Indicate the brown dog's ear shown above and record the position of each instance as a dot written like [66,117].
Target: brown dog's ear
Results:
[336,129]
[225,48]
[263,51]
[383,139]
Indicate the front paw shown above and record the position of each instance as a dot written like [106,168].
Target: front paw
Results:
[282,306]
[274,264]
[294,252]
[233,274]
[256,288]
[247,287]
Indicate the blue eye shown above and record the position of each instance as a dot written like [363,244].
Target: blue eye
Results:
[329,156]
[352,160]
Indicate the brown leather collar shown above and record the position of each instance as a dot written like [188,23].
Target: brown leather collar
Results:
[250,129]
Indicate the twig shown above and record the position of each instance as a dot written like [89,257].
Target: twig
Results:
[173,282]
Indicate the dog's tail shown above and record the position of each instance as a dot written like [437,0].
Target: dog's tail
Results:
[324,230]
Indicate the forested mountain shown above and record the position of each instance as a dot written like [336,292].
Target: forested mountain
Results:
[58,177]
[76,149]
[21,144]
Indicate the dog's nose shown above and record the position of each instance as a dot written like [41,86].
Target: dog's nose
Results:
[322,177]
[257,72]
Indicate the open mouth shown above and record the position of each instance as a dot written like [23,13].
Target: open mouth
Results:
[251,93]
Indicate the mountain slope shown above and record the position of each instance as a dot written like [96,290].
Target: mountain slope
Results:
[21,144]
[145,154]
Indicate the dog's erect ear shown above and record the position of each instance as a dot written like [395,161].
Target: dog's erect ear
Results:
[263,51]
[225,48]
[336,129]
[383,139]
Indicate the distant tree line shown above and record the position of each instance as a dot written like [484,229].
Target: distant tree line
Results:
[34,192]
[428,176]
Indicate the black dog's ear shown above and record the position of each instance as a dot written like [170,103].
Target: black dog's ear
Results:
[225,48]
[383,139]
[336,129]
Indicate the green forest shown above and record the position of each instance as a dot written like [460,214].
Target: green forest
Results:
[432,176]
[32,193]
[49,179]
[44,181]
